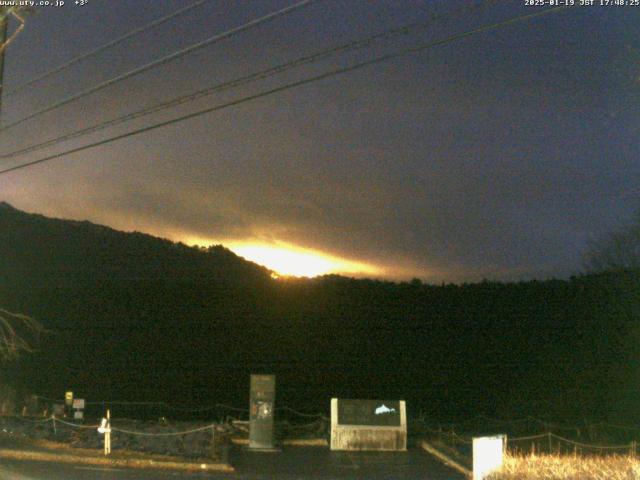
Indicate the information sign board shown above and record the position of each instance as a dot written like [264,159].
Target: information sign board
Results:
[368,425]
[383,413]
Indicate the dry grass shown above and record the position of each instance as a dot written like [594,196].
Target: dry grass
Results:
[47,451]
[568,467]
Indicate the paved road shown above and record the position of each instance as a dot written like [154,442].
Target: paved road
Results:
[291,464]
[19,470]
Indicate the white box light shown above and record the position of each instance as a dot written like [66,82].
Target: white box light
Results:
[487,455]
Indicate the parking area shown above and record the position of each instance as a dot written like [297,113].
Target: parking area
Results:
[292,462]
[321,463]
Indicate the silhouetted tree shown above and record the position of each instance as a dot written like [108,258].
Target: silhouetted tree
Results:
[17,334]
[618,251]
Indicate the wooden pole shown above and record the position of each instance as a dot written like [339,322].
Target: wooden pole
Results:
[4,25]
[107,435]
[109,430]
[213,442]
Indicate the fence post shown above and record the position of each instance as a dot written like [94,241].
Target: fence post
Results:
[549,437]
[633,448]
[213,442]
[55,430]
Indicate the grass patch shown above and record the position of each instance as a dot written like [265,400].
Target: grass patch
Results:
[47,451]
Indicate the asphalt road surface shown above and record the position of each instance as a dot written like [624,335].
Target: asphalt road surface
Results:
[293,463]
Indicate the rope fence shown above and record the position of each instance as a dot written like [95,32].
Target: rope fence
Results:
[546,424]
[187,409]
[630,447]
[548,442]
[203,440]
[541,434]
[451,435]
[420,418]
[166,434]
[56,420]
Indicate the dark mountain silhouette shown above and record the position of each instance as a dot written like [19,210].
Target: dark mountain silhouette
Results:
[79,251]
[133,317]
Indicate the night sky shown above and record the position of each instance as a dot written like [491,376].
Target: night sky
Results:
[500,155]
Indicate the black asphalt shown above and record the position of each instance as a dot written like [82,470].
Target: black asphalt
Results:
[292,463]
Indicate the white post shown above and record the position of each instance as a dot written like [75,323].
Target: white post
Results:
[105,428]
[107,436]
[488,455]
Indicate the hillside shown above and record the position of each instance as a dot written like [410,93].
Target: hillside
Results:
[134,317]
[34,246]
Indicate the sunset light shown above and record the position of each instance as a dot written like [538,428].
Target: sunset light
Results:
[286,259]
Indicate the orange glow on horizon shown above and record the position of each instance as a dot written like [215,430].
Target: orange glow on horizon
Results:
[290,260]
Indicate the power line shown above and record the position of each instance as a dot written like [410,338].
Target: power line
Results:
[4,41]
[161,61]
[103,47]
[291,85]
[260,75]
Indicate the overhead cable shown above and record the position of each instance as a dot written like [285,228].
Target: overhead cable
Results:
[101,48]
[260,75]
[288,86]
[162,61]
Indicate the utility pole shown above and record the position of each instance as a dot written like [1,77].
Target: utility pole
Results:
[4,27]
[4,40]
